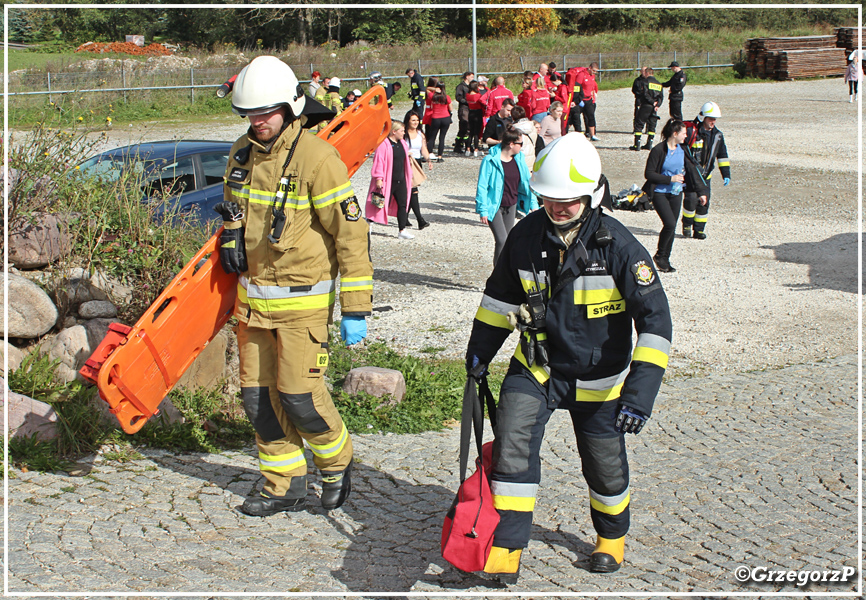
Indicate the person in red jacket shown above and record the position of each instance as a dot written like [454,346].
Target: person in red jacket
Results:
[440,119]
[543,98]
[586,92]
[495,96]
[526,98]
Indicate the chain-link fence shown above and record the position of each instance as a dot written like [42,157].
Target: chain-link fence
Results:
[131,77]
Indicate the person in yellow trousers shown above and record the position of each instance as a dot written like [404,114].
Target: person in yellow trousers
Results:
[292,226]
[575,282]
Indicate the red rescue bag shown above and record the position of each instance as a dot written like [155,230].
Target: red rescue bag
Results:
[467,534]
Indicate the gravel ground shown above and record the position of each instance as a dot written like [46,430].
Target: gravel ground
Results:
[774,284]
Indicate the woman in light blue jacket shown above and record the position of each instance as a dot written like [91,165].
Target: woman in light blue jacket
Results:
[503,188]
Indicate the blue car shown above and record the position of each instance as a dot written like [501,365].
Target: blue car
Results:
[189,173]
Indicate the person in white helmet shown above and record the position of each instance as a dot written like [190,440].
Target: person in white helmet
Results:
[707,144]
[597,283]
[292,225]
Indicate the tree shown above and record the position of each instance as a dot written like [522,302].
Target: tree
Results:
[520,22]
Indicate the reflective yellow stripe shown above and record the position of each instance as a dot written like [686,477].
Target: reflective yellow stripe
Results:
[242,294]
[337,194]
[613,393]
[539,373]
[610,510]
[352,284]
[328,450]
[492,318]
[300,303]
[596,296]
[652,356]
[724,163]
[700,218]
[514,503]
[269,198]
[282,462]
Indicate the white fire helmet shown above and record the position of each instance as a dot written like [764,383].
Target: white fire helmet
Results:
[335,81]
[264,85]
[710,109]
[568,168]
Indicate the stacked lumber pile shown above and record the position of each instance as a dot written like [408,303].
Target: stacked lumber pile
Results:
[794,57]
[846,37]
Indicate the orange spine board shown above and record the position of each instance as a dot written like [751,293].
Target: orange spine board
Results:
[135,373]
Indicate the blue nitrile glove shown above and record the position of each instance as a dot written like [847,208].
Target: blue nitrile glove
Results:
[581,104]
[629,420]
[353,329]
[475,368]
[727,181]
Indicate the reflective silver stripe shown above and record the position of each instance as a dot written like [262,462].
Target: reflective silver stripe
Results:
[605,383]
[496,306]
[528,276]
[347,285]
[594,282]
[516,490]
[273,292]
[656,342]
[608,500]
[344,191]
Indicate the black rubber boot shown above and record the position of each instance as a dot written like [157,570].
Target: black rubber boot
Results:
[336,487]
[599,562]
[649,143]
[265,506]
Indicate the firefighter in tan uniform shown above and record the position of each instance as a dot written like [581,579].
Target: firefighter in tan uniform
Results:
[292,225]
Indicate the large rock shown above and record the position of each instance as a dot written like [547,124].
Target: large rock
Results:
[31,311]
[209,368]
[117,291]
[96,309]
[73,291]
[38,240]
[14,354]
[377,382]
[28,416]
[72,348]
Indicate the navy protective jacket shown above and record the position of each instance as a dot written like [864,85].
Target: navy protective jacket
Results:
[597,294]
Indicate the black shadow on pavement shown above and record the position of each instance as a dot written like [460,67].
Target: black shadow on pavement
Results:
[832,262]
[408,278]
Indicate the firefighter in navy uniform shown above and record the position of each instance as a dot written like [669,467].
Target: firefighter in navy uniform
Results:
[708,146]
[575,283]
[292,225]
[651,97]
[675,97]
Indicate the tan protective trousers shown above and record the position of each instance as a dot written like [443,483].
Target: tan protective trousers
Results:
[282,381]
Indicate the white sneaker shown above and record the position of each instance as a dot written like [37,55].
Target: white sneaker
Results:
[466,153]
[850,99]
[595,138]
[475,153]
[405,235]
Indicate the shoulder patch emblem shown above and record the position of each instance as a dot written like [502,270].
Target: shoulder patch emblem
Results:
[351,209]
[643,273]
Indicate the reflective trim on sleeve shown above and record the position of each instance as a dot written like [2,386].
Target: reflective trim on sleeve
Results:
[595,289]
[493,319]
[282,462]
[653,349]
[354,284]
[332,449]
[338,194]
[724,163]
[600,390]
[609,505]
[519,497]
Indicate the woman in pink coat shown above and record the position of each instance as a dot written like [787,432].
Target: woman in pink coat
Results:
[391,182]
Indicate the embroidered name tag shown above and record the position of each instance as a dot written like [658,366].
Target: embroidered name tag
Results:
[238,174]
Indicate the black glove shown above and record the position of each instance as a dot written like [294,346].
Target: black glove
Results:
[629,420]
[233,252]
[475,368]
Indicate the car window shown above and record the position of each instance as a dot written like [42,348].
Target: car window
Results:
[214,166]
[110,168]
[169,177]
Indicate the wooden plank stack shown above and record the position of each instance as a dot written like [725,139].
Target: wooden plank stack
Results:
[846,37]
[787,58]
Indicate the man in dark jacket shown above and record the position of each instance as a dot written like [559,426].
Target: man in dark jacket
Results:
[462,139]
[708,146]
[588,283]
[675,98]
[417,91]
[651,98]
[637,89]
[498,123]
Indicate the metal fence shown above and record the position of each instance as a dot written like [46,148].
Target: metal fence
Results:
[133,76]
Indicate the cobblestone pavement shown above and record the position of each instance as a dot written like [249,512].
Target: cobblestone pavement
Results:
[755,469]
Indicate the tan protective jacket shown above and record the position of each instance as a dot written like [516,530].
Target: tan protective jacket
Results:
[293,281]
